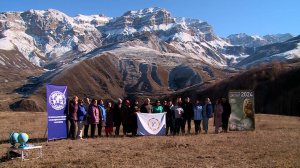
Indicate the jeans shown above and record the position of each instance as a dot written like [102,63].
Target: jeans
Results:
[72,132]
[80,125]
[178,123]
[197,126]
[182,125]
[93,129]
[86,130]
[170,126]
[99,129]
[205,124]
[117,125]
[189,120]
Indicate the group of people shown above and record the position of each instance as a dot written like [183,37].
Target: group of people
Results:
[86,116]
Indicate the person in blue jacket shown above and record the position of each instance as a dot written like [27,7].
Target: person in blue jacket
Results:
[81,117]
[197,116]
[102,117]
[206,113]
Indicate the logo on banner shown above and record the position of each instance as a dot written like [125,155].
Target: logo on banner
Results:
[153,124]
[57,100]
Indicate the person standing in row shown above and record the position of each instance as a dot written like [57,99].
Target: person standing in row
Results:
[126,117]
[218,110]
[102,117]
[169,117]
[188,114]
[117,110]
[136,110]
[197,116]
[207,113]
[81,116]
[73,108]
[178,111]
[147,107]
[109,125]
[93,119]
[86,125]
[226,114]
[132,120]
[157,108]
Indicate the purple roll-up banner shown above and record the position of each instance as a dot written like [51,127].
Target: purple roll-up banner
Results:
[56,109]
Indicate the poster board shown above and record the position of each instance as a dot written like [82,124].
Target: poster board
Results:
[242,110]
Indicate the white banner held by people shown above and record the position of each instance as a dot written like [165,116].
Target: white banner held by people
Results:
[151,124]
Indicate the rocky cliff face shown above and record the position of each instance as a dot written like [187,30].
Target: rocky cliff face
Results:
[42,36]
[143,52]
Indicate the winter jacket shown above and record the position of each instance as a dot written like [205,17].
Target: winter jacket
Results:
[93,113]
[157,109]
[102,111]
[188,110]
[73,108]
[170,114]
[198,112]
[207,110]
[117,111]
[226,110]
[218,114]
[146,108]
[178,111]
[109,117]
[81,113]
[125,115]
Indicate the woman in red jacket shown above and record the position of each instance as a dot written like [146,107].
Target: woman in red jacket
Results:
[93,118]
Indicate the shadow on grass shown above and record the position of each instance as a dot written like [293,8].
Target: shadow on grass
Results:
[15,154]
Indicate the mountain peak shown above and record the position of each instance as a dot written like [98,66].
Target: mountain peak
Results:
[145,12]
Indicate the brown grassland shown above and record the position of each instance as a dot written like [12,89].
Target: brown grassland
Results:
[274,143]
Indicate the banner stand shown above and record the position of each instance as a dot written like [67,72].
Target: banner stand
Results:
[56,107]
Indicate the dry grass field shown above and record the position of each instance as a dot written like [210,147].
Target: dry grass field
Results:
[274,143]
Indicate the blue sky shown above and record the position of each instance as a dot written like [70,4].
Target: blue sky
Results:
[226,16]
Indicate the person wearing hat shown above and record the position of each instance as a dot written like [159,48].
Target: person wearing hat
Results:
[157,108]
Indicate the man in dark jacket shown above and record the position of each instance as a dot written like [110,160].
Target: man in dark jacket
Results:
[147,107]
[188,114]
[125,116]
[226,114]
[73,108]
[170,116]
[117,111]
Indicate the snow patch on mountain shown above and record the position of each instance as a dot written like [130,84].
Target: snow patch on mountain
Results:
[5,44]
[292,54]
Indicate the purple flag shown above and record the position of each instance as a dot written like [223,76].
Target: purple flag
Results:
[56,108]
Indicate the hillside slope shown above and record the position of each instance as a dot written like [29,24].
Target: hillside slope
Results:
[276,87]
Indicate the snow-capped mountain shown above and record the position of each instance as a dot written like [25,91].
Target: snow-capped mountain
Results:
[286,50]
[44,35]
[47,37]
[142,51]
[245,40]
